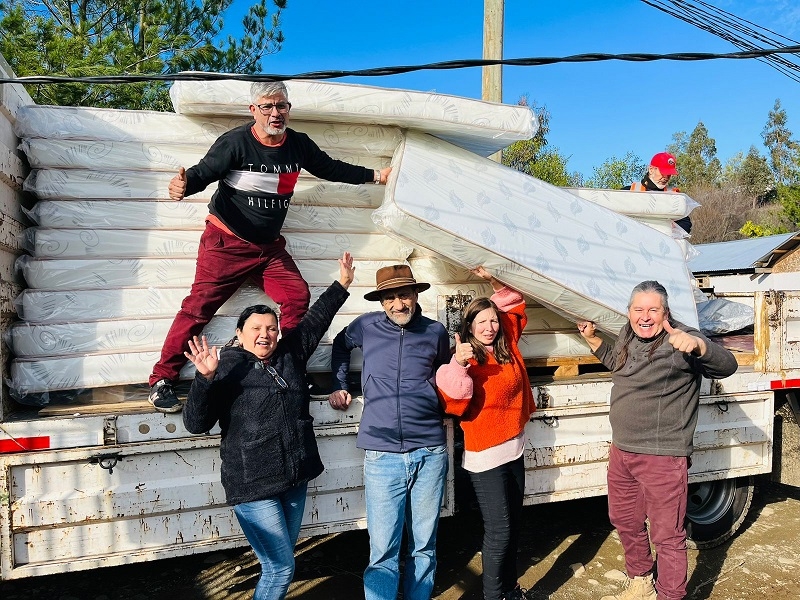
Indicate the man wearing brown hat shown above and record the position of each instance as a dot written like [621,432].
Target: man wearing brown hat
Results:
[401,430]
[662,167]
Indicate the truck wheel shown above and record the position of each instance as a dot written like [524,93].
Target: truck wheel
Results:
[715,510]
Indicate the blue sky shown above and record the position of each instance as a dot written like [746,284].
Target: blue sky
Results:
[598,110]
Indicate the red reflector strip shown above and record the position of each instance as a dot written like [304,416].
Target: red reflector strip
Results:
[781,384]
[22,444]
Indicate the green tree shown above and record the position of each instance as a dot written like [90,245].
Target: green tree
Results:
[130,37]
[784,152]
[751,173]
[752,230]
[535,157]
[616,173]
[697,160]
[789,197]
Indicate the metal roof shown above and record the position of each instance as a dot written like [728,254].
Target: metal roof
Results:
[743,256]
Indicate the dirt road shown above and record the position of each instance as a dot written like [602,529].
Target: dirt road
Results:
[568,551]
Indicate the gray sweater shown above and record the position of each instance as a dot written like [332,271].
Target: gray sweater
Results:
[655,399]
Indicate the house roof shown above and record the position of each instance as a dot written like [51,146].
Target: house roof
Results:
[743,256]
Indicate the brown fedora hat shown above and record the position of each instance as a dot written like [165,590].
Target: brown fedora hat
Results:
[396,276]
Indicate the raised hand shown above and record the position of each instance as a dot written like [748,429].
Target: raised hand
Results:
[463,351]
[205,358]
[588,331]
[482,273]
[177,185]
[684,342]
[340,399]
[347,271]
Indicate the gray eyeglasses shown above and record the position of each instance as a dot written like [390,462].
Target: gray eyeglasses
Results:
[271,370]
[266,109]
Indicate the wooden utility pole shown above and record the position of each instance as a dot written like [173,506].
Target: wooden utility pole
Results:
[492,88]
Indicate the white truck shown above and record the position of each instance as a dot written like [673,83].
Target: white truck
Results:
[91,476]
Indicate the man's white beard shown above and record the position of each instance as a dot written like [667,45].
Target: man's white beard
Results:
[269,130]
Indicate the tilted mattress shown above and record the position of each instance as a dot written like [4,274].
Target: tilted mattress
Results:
[574,256]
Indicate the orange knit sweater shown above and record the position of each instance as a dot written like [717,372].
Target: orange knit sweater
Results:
[493,401]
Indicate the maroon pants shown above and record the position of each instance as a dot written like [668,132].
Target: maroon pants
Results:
[224,262]
[645,486]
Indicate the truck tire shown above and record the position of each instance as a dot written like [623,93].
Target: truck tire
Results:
[716,510]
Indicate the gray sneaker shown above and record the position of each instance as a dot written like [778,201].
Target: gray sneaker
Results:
[163,397]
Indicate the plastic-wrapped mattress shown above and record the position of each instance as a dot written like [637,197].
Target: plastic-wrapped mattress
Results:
[576,257]
[480,127]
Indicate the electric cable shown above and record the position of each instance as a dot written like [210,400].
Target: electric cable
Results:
[749,53]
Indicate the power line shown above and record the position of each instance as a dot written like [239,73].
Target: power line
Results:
[758,53]
[740,32]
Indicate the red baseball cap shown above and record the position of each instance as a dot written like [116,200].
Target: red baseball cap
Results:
[664,162]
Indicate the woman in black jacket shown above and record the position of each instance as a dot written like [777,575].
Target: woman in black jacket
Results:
[255,387]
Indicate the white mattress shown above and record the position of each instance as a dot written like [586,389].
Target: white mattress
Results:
[574,256]
[481,127]
[85,184]
[648,205]
[111,214]
[101,273]
[83,305]
[156,132]
[368,148]
[132,243]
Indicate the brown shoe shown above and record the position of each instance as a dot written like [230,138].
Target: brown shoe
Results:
[638,588]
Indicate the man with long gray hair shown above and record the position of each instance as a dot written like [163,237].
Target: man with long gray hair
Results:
[257,166]
[656,366]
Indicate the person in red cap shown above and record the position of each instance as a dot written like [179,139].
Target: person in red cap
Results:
[662,167]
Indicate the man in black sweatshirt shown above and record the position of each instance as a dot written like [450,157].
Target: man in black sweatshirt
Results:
[257,166]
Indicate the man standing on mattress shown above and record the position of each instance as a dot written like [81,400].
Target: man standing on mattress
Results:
[662,167]
[257,166]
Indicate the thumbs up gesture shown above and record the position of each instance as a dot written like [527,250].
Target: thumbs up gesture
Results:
[684,342]
[463,351]
[177,185]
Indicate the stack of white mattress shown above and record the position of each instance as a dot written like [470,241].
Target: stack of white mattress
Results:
[111,257]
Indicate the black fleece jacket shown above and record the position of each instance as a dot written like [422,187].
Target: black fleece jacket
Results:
[268,443]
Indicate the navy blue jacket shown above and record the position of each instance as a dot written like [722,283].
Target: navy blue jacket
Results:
[401,407]
[268,443]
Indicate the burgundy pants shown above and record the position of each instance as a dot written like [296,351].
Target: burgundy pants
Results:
[642,486]
[224,262]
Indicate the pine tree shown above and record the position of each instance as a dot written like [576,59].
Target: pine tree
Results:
[130,37]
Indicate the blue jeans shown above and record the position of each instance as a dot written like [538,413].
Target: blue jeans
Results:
[403,489]
[272,527]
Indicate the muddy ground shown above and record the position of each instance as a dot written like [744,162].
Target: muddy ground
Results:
[568,552]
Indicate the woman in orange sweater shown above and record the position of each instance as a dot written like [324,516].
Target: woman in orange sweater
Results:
[487,387]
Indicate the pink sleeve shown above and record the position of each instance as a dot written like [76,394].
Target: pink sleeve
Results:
[455,387]
[506,298]
[512,309]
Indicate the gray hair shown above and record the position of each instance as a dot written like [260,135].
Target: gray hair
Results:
[648,287]
[261,89]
